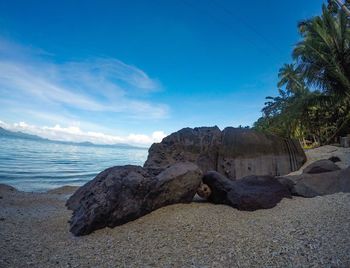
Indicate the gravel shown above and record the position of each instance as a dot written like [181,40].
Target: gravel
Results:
[298,232]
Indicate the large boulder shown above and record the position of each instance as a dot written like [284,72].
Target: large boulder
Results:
[233,152]
[311,185]
[321,166]
[125,193]
[249,193]
[245,152]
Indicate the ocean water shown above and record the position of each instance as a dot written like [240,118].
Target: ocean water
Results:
[38,166]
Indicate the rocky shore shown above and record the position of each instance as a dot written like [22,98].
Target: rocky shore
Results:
[298,232]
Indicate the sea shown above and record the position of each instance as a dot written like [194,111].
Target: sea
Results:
[38,166]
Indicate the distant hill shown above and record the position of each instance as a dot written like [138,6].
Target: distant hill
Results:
[18,134]
[25,136]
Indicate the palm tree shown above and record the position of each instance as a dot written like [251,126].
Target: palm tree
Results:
[291,79]
[314,91]
[284,113]
[323,58]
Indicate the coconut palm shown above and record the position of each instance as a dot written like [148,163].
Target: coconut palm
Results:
[314,91]
[323,56]
[292,80]
[284,112]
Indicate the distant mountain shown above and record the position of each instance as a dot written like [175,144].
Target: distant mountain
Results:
[18,134]
[25,136]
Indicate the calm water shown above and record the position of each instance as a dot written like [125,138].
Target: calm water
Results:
[38,166]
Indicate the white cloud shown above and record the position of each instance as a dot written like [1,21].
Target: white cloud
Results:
[98,85]
[158,135]
[75,134]
[100,94]
[116,69]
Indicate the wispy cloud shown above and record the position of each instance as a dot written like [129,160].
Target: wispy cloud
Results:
[75,134]
[77,100]
[98,84]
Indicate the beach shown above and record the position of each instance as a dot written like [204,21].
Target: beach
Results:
[175,134]
[298,232]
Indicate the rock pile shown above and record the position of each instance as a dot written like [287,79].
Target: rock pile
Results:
[319,178]
[239,167]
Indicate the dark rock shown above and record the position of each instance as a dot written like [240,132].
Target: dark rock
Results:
[245,152]
[286,182]
[321,166]
[125,193]
[249,193]
[198,145]
[233,152]
[176,184]
[334,159]
[74,200]
[311,185]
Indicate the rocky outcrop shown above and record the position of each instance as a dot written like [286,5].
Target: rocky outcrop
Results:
[233,152]
[245,152]
[249,193]
[172,174]
[125,193]
[321,166]
[311,185]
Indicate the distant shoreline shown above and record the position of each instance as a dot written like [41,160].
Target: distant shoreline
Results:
[24,136]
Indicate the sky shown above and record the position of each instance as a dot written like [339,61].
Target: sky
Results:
[135,71]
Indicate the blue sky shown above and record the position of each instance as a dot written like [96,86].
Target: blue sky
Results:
[133,71]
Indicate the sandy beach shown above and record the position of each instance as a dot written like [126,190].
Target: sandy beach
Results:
[298,232]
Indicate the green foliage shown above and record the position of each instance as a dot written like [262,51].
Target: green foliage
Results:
[314,91]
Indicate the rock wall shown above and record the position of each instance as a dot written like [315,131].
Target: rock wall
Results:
[233,152]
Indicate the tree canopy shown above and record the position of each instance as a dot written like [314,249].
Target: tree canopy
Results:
[313,101]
